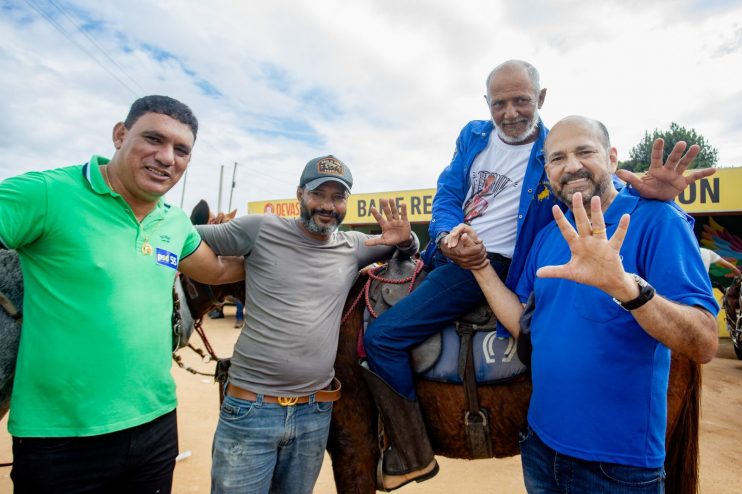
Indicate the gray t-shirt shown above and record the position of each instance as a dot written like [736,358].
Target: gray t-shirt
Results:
[295,291]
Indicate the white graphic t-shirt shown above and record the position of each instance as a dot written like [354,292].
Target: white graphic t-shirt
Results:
[495,181]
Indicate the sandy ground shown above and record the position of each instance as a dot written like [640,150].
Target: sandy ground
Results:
[721,433]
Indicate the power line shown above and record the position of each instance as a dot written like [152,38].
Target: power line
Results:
[61,29]
[79,28]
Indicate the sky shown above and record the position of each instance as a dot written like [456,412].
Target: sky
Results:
[384,85]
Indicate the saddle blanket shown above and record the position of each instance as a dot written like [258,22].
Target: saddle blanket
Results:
[495,359]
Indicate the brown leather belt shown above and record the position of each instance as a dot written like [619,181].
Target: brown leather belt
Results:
[323,395]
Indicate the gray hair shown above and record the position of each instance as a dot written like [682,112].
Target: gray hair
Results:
[532,72]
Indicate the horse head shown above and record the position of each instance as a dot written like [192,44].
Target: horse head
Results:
[201,298]
[11,307]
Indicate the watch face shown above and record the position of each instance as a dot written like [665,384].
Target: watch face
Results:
[640,281]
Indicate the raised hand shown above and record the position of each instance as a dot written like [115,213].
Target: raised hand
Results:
[463,246]
[595,258]
[665,181]
[395,227]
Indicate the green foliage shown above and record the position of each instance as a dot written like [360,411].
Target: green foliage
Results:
[641,154]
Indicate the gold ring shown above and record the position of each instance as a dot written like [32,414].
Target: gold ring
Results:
[598,231]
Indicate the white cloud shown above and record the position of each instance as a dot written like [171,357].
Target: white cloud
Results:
[384,85]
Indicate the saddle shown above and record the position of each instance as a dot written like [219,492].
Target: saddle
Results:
[466,352]
[442,356]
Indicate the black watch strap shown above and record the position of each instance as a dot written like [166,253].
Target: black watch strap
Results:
[646,293]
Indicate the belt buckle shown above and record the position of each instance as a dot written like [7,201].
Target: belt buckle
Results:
[287,401]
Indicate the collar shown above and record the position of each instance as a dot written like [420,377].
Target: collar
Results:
[91,172]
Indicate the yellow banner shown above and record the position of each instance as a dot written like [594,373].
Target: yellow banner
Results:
[719,193]
[419,206]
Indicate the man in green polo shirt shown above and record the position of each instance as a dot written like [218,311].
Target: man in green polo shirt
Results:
[93,404]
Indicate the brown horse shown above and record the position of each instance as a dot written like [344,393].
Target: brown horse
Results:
[353,437]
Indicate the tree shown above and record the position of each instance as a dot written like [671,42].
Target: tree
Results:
[640,155]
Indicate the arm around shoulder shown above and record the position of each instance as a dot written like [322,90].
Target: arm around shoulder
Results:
[206,267]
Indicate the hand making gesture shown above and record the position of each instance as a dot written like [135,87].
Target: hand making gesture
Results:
[666,181]
[595,258]
[395,227]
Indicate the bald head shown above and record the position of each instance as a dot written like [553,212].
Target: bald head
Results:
[517,65]
[587,126]
[514,98]
[579,158]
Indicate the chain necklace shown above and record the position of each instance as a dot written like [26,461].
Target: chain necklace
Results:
[146,248]
[107,178]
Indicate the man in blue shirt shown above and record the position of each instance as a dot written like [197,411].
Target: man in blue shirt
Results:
[496,182]
[601,334]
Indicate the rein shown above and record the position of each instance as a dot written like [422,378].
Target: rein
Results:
[10,308]
[192,294]
[375,274]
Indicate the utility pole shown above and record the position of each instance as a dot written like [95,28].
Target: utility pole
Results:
[231,191]
[182,193]
[219,197]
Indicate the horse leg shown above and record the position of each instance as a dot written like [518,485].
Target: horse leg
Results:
[352,443]
[683,412]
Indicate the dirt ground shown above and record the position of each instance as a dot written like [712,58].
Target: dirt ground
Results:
[721,433]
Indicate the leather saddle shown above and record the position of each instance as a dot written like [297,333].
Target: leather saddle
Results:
[441,357]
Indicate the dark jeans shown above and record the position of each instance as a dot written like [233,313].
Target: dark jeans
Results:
[446,293]
[546,471]
[136,460]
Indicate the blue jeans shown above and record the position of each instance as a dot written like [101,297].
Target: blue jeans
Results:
[239,313]
[268,448]
[139,459]
[446,293]
[546,471]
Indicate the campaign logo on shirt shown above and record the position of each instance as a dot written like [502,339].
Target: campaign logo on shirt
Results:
[166,258]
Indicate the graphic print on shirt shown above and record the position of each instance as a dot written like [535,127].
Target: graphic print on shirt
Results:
[485,187]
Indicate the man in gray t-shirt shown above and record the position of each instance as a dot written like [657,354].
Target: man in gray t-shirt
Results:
[299,274]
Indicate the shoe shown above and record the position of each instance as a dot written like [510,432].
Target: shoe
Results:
[239,324]
[216,314]
[408,455]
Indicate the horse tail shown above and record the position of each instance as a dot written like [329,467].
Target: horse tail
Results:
[681,461]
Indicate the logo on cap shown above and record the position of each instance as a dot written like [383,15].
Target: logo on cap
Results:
[330,166]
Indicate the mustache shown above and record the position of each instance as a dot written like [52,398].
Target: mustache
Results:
[325,212]
[567,177]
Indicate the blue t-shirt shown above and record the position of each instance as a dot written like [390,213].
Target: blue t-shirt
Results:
[599,380]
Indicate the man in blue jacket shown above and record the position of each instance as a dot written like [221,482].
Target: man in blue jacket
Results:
[495,182]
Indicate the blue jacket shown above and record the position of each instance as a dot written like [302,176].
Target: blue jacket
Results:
[536,198]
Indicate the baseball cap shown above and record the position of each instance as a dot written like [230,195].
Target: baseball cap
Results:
[325,169]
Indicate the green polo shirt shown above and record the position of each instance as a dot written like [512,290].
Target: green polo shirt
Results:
[95,347]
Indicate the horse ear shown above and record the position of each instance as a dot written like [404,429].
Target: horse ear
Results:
[200,214]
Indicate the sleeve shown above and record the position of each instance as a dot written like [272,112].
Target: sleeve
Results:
[714,256]
[451,192]
[23,208]
[192,241]
[670,260]
[527,280]
[233,238]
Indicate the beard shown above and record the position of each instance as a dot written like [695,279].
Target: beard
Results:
[532,125]
[307,219]
[599,188]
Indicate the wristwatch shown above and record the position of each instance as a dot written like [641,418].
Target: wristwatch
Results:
[440,237]
[646,292]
